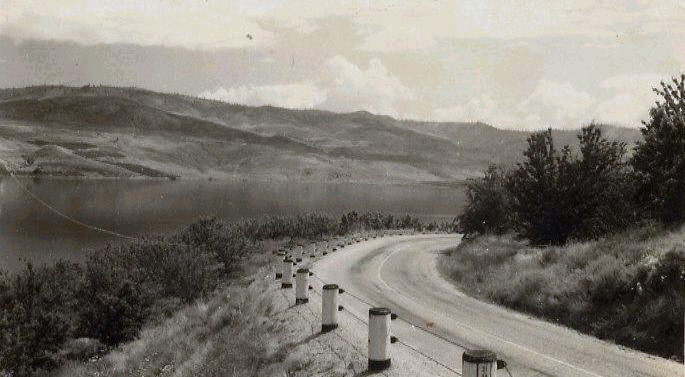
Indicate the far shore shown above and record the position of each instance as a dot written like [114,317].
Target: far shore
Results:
[238,178]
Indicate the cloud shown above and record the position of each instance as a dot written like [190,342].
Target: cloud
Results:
[385,25]
[351,87]
[560,104]
[482,108]
[340,86]
[631,96]
[180,23]
[551,104]
[304,95]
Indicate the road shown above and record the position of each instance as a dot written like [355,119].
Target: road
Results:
[400,272]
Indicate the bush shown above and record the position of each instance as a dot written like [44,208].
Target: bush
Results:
[37,316]
[488,208]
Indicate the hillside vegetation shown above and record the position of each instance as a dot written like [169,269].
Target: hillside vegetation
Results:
[166,135]
[626,288]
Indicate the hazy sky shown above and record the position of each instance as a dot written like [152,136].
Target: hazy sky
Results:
[514,64]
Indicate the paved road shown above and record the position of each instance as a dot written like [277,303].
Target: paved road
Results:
[400,272]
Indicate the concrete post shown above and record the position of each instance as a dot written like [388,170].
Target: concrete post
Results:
[379,339]
[280,256]
[479,363]
[287,273]
[302,286]
[329,308]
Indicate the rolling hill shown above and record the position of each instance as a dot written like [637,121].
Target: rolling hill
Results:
[130,132]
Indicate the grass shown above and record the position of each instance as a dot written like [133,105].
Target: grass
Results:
[231,333]
[627,288]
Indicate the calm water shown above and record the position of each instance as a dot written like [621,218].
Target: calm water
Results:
[29,231]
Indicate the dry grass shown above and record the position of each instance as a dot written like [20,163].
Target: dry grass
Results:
[626,288]
[229,334]
[248,329]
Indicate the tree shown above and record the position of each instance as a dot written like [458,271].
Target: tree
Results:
[659,159]
[488,209]
[562,195]
[533,186]
[599,186]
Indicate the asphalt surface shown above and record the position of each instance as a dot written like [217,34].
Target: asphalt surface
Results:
[437,322]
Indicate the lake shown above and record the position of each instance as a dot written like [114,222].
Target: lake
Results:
[29,231]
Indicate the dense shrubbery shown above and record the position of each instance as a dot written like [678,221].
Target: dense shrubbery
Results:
[590,191]
[119,288]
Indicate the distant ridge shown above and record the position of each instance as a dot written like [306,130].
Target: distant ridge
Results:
[177,135]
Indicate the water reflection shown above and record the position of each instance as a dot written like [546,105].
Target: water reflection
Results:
[30,231]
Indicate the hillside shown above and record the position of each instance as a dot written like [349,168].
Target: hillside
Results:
[139,133]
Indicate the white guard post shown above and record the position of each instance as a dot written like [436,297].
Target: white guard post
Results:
[302,286]
[287,273]
[279,261]
[379,339]
[329,307]
[479,363]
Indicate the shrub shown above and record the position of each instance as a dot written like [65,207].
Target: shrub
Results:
[37,316]
[488,208]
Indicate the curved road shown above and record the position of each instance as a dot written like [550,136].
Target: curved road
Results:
[400,272]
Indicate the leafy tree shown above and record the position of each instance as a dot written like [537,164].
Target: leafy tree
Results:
[533,185]
[598,188]
[488,209]
[562,195]
[659,159]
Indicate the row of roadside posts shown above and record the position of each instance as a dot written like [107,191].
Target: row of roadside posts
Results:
[475,363]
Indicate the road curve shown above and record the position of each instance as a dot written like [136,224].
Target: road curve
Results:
[400,272]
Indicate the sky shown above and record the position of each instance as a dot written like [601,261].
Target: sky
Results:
[513,64]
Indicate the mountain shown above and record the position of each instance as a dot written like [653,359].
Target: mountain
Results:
[130,132]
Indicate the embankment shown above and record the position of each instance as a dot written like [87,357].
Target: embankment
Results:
[627,288]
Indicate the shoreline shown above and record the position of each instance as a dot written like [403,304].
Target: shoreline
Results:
[241,178]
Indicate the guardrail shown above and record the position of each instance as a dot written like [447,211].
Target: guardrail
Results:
[475,363]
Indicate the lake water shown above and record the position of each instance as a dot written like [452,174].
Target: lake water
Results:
[31,232]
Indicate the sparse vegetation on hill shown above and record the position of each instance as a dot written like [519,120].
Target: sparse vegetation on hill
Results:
[193,137]
[46,312]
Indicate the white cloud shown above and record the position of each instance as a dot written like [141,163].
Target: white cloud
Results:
[631,96]
[295,96]
[551,104]
[340,86]
[560,104]
[351,87]
[482,108]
